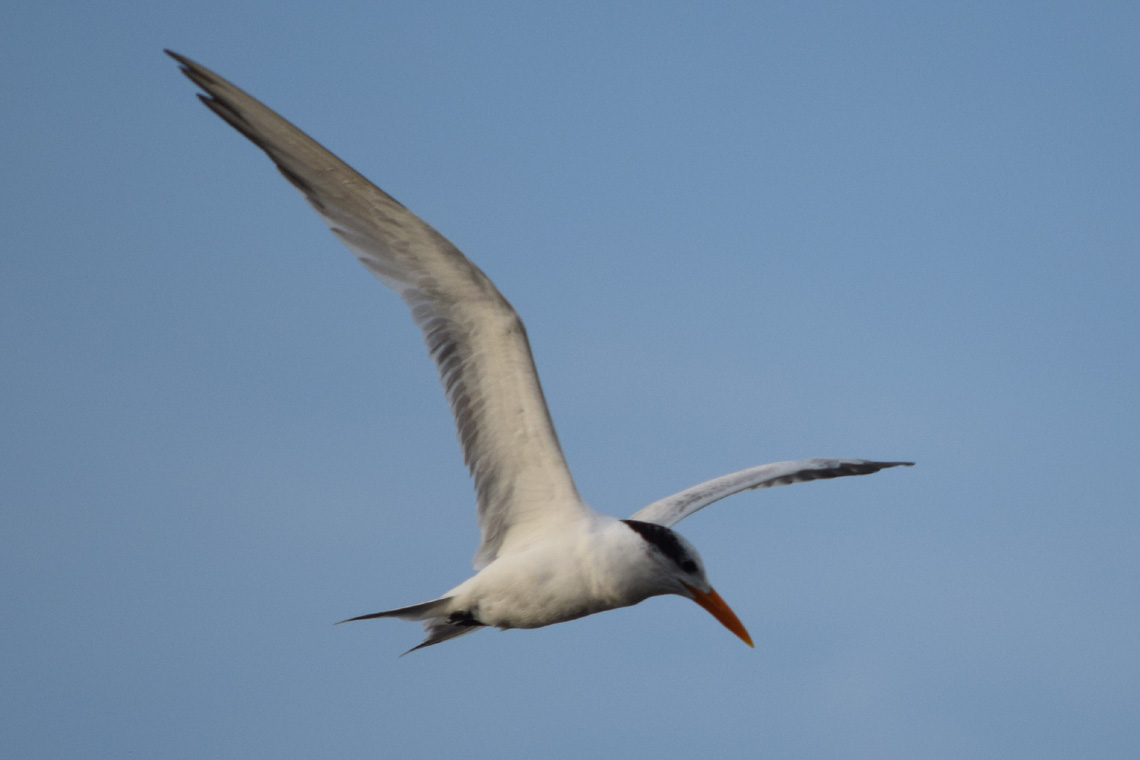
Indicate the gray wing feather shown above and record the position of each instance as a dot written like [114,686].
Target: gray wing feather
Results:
[673,509]
[474,336]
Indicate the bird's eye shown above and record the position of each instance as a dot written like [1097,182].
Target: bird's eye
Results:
[689,566]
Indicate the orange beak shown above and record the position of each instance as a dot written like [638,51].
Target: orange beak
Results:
[721,611]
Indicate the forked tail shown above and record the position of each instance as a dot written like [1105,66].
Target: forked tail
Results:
[440,621]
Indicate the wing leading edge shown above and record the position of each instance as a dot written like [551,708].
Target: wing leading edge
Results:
[475,337]
[672,509]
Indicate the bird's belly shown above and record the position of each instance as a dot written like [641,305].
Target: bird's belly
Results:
[539,588]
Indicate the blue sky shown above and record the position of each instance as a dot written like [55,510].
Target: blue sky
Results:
[738,233]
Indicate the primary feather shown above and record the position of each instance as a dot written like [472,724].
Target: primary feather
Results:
[476,339]
[544,556]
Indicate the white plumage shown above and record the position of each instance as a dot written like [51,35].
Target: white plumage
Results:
[545,557]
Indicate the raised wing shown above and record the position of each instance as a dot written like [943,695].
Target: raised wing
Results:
[673,509]
[476,339]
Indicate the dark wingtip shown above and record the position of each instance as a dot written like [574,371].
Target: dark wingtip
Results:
[844,469]
[867,468]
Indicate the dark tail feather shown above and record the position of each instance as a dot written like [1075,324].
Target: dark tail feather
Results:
[442,629]
[439,624]
[415,612]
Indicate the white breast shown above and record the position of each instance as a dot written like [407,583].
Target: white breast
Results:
[600,566]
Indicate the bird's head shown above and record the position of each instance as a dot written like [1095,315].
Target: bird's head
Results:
[677,569]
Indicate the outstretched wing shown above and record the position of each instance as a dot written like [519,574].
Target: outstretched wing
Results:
[673,509]
[475,338]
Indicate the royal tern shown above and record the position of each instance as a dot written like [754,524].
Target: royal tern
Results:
[545,556]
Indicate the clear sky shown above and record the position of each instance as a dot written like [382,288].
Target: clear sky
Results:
[737,232]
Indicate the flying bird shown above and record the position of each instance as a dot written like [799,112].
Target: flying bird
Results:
[544,556]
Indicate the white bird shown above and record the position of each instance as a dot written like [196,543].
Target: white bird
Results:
[545,556]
